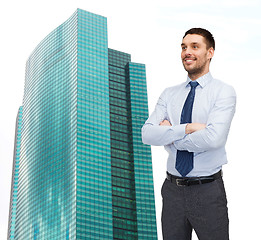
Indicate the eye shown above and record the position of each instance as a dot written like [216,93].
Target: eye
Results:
[195,47]
[183,47]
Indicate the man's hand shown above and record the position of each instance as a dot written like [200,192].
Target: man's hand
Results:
[190,127]
[193,127]
[165,123]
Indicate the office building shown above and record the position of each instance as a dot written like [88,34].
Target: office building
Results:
[82,171]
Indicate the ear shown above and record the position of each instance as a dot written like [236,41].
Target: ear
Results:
[211,53]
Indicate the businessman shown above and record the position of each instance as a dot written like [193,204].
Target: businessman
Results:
[192,121]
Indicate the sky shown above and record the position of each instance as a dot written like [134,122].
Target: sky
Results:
[151,31]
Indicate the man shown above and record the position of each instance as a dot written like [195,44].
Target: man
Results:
[192,121]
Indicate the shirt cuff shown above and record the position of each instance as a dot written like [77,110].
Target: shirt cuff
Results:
[180,131]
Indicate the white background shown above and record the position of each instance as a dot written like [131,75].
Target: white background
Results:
[151,31]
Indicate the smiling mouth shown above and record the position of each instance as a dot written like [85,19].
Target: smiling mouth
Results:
[189,60]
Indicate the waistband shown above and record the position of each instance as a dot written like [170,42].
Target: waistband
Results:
[188,181]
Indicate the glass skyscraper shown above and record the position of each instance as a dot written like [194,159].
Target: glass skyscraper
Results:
[80,168]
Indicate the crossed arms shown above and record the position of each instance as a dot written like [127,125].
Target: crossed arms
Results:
[193,137]
[190,127]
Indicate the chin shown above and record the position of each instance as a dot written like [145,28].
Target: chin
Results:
[190,70]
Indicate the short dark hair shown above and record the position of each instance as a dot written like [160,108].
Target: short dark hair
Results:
[204,33]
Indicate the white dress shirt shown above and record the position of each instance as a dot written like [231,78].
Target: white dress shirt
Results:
[214,105]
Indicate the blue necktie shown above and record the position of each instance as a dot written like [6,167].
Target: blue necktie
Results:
[184,159]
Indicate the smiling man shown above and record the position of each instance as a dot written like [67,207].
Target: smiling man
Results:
[192,121]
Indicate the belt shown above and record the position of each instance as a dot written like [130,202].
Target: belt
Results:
[188,181]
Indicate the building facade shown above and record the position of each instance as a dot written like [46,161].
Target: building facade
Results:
[82,171]
[14,184]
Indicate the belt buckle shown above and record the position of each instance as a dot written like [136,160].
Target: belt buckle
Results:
[179,181]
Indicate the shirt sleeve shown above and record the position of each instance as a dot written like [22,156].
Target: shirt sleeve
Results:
[217,128]
[153,133]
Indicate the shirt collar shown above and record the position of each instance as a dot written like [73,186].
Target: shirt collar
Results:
[203,80]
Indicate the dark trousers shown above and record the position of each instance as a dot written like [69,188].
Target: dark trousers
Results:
[200,207]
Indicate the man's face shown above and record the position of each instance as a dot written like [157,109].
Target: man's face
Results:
[195,56]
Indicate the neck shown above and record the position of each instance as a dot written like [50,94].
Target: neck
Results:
[195,76]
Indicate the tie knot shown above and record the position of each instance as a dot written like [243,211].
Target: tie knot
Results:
[193,84]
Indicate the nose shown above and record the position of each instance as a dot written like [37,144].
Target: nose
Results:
[187,51]
[186,54]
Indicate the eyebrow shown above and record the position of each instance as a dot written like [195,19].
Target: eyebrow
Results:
[182,44]
[193,43]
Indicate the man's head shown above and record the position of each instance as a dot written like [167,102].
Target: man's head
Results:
[197,51]
[209,39]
